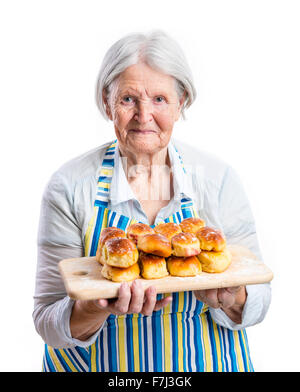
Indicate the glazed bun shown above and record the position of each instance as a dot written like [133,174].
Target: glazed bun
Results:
[185,245]
[138,229]
[215,261]
[191,225]
[184,266]
[155,244]
[168,229]
[106,234]
[120,274]
[211,239]
[120,252]
[152,267]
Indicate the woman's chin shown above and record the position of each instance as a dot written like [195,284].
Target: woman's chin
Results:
[145,143]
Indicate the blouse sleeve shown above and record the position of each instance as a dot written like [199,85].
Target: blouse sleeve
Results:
[59,237]
[239,228]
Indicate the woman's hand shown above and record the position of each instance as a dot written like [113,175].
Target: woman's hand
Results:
[134,300]
[231,300]
[88,316]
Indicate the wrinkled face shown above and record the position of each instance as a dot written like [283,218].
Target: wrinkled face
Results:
[144,106]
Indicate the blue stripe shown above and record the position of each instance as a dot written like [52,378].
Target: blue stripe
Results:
[101,204]
[231,350]
[105,179]
[112,219]
[189,353]
[112,339]
[83,354]
[156,342]
[174,332]
[198,344]
[184,331]
[139,322]
[123,221]
[79,366]
[212,342]
[108,162]
[146,343]
[186,213]
[97,232]
[49,360]
[110,152]
[99,346]
[130,359]
[104,194]
[62,361]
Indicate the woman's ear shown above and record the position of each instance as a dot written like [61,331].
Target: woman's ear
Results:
[106,104]
[180,105]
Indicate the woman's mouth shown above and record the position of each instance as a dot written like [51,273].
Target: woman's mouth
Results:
[142,131]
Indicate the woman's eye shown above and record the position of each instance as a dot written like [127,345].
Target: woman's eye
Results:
[159,99]
[127,100]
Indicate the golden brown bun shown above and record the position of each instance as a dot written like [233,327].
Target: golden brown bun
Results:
[138,229]
[211,239]
[184,266]
[215,261]
[155,244]
[185,245]
[168,229]
[121,274]
[120,252]
[191,225]
[152,267]
[106,234]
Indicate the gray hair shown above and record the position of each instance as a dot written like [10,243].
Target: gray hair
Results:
[156,49]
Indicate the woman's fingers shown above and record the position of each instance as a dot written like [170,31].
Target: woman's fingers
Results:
[133,299]
[137,297]
[149,301]
[209,297]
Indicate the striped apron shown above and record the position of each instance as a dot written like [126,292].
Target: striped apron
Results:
[181,337]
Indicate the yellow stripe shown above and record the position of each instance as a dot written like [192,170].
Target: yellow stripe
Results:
[93,358]
[238,351]
[104,184]
[167,341]
[207,350]
[218,346]
[88,233]
[67,360]
[179,329]
[121,338]
[135,336]
[104,220]
[54,358]
[106,172]
[195,213]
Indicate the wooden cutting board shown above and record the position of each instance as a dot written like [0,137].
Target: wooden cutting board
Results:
[83,279]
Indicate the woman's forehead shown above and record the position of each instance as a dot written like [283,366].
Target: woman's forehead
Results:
[143,79]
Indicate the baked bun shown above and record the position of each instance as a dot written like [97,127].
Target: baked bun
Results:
[138,229]
[211,239]
[120,252]
[185,245]
[121,274]
[107,233]
[215,261]
[191,225]
[152,267]
[155,244]
[184,266]
[168,229]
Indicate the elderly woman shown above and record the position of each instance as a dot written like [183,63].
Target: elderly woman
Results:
[144,86]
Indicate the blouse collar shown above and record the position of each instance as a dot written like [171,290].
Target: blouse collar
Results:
[120,190]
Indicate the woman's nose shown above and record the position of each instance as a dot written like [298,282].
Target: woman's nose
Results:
[144,112]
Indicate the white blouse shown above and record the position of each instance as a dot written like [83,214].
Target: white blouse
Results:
[67,207]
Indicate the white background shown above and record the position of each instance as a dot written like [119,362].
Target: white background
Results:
[245,60]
